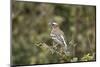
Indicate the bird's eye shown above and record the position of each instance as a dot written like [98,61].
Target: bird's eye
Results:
[52,24]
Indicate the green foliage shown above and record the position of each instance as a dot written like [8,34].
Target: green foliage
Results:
[87,57]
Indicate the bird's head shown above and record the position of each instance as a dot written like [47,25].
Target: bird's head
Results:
[53,24]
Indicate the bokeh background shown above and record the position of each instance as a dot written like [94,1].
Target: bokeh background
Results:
[30,28]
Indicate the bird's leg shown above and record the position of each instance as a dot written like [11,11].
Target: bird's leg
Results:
[61,50]
[55,45]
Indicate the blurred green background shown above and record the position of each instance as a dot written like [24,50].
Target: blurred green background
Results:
[30,26]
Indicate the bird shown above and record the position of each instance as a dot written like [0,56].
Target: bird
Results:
[58,35]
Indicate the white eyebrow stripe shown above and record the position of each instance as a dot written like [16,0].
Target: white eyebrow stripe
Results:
[54,23]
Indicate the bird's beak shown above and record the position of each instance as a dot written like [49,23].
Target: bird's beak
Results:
[50,24]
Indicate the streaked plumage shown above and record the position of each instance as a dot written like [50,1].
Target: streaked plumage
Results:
[57,35]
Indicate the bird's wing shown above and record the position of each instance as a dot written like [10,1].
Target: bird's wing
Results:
[63,41]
